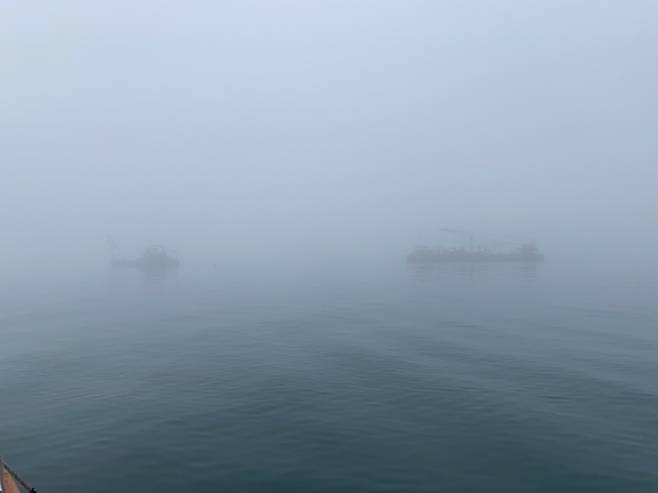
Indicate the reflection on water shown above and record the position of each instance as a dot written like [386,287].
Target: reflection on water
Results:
[147,276]
[474,271]
[157,276]
[530,270]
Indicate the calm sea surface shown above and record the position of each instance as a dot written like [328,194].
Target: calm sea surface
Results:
[483,378]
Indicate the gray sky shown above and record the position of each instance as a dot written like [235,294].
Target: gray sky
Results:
[264,127]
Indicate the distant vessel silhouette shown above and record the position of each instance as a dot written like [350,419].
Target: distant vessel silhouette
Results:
[154,258]
[527,252]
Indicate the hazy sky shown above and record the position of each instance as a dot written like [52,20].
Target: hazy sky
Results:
[245,127]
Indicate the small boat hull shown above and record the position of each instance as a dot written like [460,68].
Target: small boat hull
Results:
[7,483]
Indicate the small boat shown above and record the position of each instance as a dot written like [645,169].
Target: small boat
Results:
[9,480]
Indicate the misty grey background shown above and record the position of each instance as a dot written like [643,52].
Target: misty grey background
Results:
[285,131]
[291,153]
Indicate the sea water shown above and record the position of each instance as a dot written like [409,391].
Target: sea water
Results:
[482,377]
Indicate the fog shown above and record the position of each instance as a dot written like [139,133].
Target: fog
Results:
[303,162]
[291,131]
